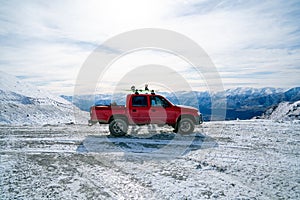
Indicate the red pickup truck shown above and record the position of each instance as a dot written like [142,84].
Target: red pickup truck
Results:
[141,109]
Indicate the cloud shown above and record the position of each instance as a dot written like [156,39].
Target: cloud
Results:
[251,42]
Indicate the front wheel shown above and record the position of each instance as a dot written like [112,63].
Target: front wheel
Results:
[185,126]
[118,127]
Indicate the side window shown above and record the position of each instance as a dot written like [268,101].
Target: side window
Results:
[158,101]
[153,101]
[140,101]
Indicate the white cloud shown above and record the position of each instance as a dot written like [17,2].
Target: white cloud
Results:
[254,43]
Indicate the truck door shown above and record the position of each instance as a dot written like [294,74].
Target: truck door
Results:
[139,110]
[160,110]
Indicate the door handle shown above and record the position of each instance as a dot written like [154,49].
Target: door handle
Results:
[153,110]
[134,110]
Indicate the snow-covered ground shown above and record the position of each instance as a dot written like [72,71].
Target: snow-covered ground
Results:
[257,159]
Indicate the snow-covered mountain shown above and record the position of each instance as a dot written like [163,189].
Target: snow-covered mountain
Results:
[248,91]
[23,103]
[242,103]
[284,111]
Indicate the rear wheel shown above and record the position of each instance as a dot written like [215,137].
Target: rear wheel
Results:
[118,127]
[185,126]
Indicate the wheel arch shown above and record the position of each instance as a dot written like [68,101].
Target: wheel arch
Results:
[191,117]
[118,117]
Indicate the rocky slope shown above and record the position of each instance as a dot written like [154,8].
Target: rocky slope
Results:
[285,111]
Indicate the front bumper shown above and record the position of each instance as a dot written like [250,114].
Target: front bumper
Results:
[199,119]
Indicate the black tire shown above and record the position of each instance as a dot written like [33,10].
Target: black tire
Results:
[185,126]
[118,127]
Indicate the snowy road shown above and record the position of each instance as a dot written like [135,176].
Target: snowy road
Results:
[222,160]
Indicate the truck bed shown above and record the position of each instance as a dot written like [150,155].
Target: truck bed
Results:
[106,112]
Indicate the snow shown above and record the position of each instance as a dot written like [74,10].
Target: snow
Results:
[255,159]
[10,83]
[23,104]
[47,152]
[284,111]
[253,91]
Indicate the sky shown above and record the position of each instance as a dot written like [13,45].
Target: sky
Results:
[251,43]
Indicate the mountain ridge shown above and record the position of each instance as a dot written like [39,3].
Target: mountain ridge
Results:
[241,103]
[22,103]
